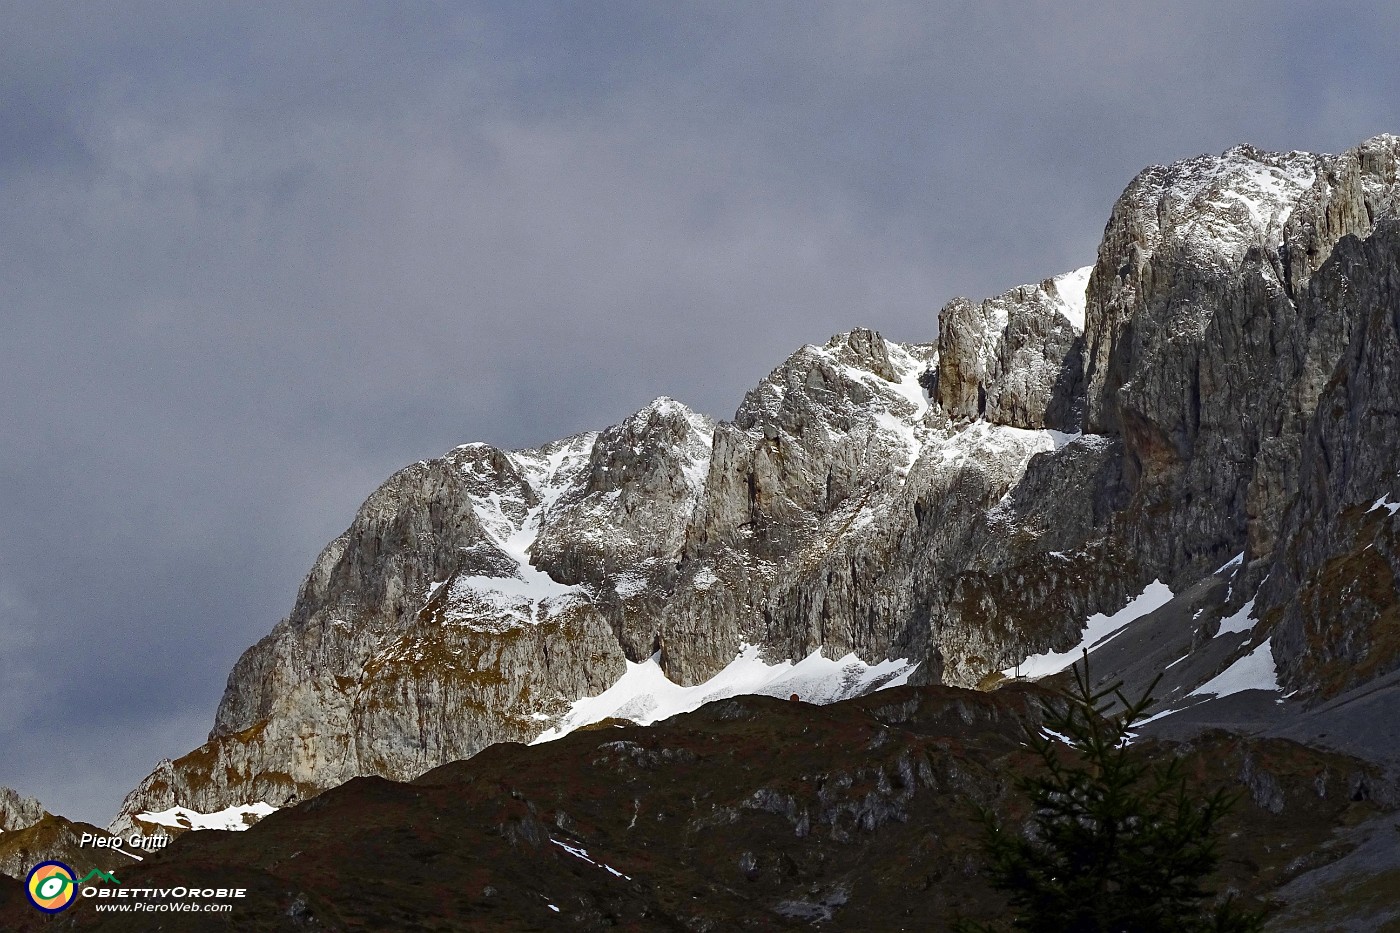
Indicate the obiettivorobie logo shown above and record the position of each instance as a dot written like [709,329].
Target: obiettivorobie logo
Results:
[53,886]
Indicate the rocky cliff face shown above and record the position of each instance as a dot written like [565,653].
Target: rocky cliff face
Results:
[1016,359]
[1239,331]
[1335,583]
[18,811]
[1205,350]
[1221,381]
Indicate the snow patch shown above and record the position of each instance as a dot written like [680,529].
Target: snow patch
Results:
[1241,621]
[1384,503]
[629,584]
[1004,452]
[987,443]
[1099,630]
[516,596]
[696,467]
[645,695]
[1232,562]
[1069,290]
[581,853]
[234,819]
[1254,671]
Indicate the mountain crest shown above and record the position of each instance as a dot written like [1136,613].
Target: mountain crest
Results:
[1172,421]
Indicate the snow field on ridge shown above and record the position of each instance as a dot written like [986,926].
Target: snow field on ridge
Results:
[229,818]
[645,695]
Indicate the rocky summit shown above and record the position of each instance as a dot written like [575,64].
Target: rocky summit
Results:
[1194,441]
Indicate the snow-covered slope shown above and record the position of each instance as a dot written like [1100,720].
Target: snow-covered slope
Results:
[517,592]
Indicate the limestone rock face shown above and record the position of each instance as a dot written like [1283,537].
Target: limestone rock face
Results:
[1015,359]
[1202,353]
[422,617]
[1335,582]
[620,530]
[1220,385]
[812,454]
[18,811]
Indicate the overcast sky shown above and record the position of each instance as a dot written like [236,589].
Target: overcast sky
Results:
[252,262]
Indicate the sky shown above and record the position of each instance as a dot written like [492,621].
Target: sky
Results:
[256,257]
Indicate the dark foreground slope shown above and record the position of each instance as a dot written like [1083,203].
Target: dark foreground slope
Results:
[56,837]
[749,814]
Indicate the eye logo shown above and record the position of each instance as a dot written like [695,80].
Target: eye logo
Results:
[51,886]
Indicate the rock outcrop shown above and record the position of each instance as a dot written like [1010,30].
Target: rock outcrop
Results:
[18,811]
[1016,359]
[29,835]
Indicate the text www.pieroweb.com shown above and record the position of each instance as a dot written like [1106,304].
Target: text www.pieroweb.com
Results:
[165,900]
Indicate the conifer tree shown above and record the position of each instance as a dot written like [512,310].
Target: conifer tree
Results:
[1115,844]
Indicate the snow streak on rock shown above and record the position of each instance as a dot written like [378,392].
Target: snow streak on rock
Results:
[527,595]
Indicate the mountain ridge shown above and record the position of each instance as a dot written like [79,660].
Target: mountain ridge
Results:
[960,505]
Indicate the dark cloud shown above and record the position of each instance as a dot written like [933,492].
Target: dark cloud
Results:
[250,263]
